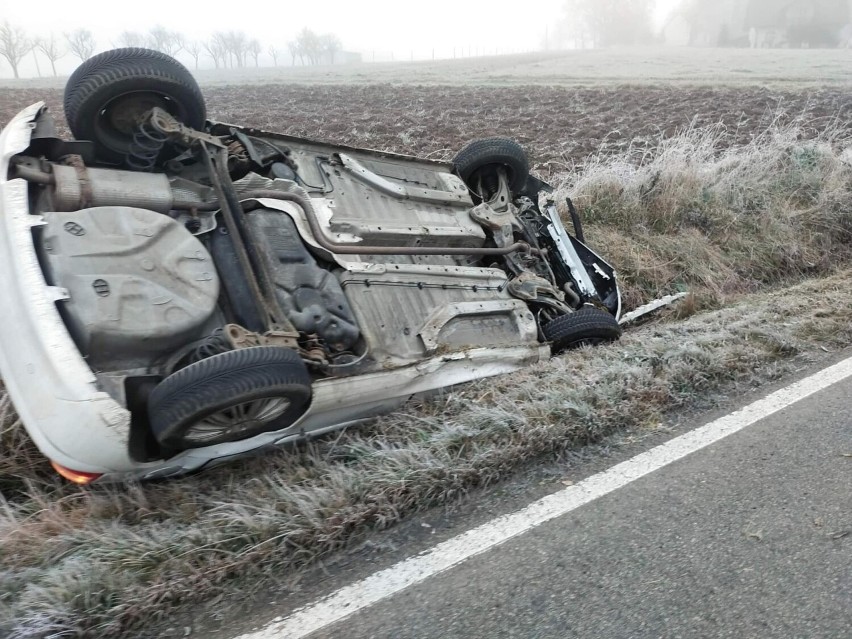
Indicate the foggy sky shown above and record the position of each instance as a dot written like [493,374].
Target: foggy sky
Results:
[383,26]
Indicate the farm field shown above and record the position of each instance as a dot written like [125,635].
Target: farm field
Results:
[606,67]
[735,185]
[558,126]
[603,67]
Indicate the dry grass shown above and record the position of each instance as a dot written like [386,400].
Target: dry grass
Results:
[100,562]
[696,214]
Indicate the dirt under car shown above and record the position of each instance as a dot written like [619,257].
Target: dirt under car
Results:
[180,292]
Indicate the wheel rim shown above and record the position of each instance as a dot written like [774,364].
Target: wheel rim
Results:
[116,122]
[237,420]
[588,341]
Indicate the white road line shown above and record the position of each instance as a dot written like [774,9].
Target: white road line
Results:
[383,584]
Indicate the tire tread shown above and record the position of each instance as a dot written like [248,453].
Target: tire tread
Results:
[111,57]
[226,379]
[588,323]
[495,150]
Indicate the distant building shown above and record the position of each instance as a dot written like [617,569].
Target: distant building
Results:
[347,57]
[761,23]
[339,57]
[677,30]
[708,24]
[797,23]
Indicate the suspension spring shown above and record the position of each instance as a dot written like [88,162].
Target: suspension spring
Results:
[213,344]
[146,146]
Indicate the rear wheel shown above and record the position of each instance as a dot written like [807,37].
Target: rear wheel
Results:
[107,94]
[228,397]
[587,326]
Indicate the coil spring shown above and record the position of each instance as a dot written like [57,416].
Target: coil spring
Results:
[213,344]
[209,346]
[145,147]
[238,158]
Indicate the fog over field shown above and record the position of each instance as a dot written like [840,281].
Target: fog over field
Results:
[280,36]
[380,30]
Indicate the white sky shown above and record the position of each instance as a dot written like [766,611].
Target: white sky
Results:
[362,25]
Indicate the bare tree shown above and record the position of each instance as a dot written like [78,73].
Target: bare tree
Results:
[52,50]
[613,22]
[330,46]
[293,48]
[217,49]
[14,45]
[309,45]
[254,48]
[162,39]
[35,59]
[571,30]
[81,42]
[237,46]
[273,53]
[130,39]
[194,49]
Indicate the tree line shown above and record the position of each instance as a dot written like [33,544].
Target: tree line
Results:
[605,23]
[226,49]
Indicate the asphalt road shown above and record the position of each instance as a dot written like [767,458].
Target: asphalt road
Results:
[748,537]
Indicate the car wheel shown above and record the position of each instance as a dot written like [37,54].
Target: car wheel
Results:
[228,397]
[480,159]
[106,95]
[587,326]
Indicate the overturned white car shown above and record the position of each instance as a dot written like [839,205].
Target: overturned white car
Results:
[178,292]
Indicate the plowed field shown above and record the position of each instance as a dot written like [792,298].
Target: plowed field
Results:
[557,125]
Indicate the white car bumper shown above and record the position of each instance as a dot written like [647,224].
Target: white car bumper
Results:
[52,387]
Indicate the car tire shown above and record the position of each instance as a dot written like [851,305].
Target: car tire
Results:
[105,95]
[485,155]
[228,397]
[587,326]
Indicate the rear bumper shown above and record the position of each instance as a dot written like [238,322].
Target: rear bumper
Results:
[52,387]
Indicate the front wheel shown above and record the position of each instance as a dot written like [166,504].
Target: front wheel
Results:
[587,326]
[228,397]
[479,161]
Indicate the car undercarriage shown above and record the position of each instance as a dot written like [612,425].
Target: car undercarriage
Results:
[187,291]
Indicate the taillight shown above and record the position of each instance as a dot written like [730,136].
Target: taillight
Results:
[76,476]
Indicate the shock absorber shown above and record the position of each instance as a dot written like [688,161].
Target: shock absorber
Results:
[148,142]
